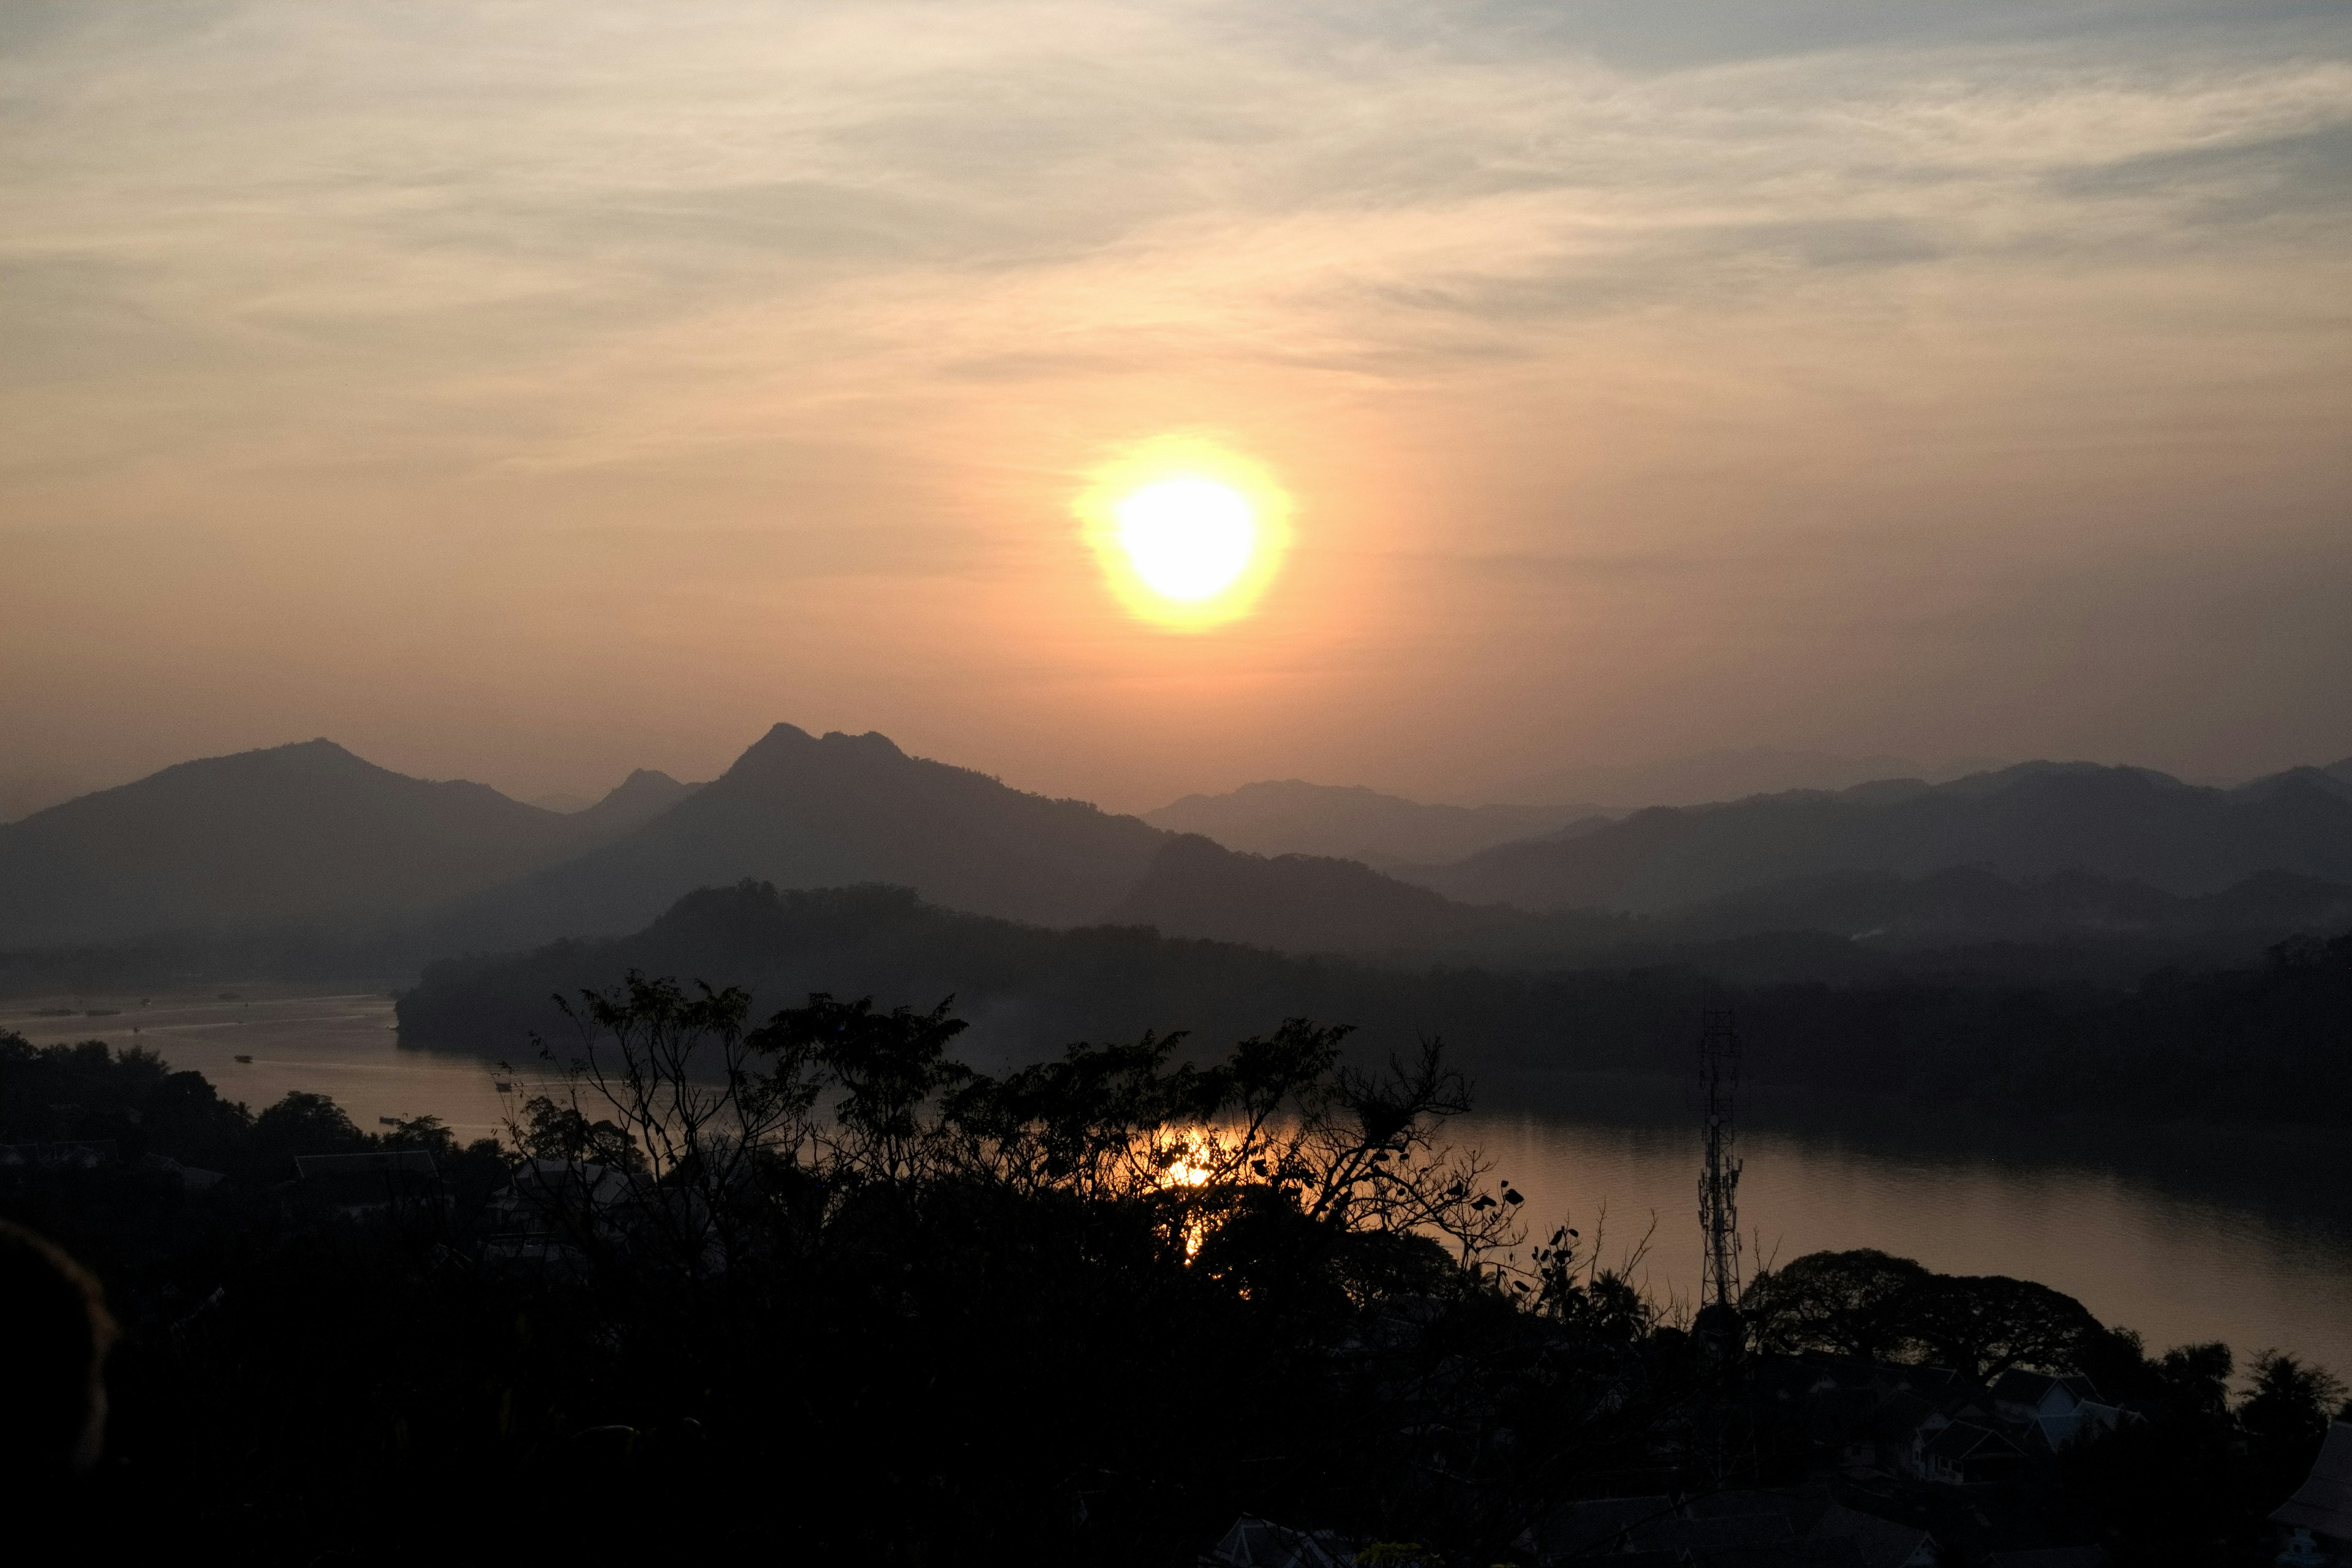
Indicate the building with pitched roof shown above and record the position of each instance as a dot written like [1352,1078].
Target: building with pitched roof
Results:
[2318,1517]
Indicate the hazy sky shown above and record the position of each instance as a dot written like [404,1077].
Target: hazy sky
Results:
[528,392]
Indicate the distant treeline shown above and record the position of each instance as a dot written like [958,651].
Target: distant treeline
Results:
[137,1108]
[360,951]
[2267,1045]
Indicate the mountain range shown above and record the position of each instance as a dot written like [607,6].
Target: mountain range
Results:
[2128,860]
[2030,821]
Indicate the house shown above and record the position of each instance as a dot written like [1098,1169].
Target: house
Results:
[2058,1411]
[361,1184]
[194,1178]
[1259,1543]
[1591,1526]
[2318,1517]
[1965,1453]
[1794,1526]
[70,1156]
[542,1192]
[551,1210]
[1876,1543]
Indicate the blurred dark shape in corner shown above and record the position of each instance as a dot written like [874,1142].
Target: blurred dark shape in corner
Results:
[55,1332]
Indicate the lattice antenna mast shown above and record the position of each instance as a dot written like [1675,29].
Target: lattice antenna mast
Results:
[1718,1183]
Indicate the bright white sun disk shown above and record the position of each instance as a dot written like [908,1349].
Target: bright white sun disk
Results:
[1189,538]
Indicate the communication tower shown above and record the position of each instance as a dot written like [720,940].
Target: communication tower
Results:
[1718,1183]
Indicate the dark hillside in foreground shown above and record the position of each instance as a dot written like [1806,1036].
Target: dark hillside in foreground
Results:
[2031,821]
[295,832]
[2271,1044]
[799,811]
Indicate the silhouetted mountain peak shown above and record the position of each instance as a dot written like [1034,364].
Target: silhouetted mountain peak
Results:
[645,783]
[787,749]
[635,801]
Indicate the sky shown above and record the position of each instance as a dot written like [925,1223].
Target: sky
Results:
[531,393]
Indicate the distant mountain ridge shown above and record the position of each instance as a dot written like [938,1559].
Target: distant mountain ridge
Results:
[635,801]
[2032,820]
[1291,817]
[2126,861]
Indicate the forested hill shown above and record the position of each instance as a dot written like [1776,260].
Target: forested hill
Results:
[2267,1045]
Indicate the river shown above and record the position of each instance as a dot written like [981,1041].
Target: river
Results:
[2184,1236]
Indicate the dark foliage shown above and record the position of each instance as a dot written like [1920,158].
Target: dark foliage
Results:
[817,1290]
[1088,1311]
[1868,1304]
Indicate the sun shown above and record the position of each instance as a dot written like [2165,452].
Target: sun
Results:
[1188,537]
[1189,534]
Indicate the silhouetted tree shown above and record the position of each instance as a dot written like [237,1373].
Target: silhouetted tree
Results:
[2197,1377]
[1982,1325]
[1843,1303]
[697,1111]
[889,1066]
[303,1124]
[2285,1416]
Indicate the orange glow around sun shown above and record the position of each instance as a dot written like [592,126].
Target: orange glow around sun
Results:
[1189,534]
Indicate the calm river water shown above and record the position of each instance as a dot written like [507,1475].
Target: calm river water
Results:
[2182,1237]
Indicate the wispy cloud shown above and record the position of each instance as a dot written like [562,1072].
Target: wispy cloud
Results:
[1619,271]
